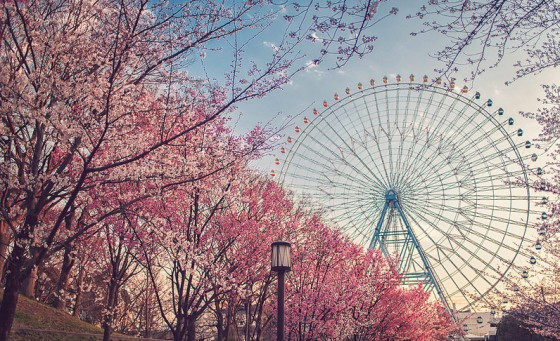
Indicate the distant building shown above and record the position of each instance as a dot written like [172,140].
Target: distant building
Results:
[478,326]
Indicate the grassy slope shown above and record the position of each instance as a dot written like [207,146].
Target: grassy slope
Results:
[37,321]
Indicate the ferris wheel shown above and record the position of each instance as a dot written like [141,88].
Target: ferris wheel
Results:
[433,177]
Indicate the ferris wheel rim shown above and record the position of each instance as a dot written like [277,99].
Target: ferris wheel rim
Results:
[409,86]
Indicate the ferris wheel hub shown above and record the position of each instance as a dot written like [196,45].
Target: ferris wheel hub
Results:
[392,196]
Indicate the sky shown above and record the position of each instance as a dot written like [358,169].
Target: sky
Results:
[395,52]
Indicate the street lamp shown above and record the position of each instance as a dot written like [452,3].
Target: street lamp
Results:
[281,263]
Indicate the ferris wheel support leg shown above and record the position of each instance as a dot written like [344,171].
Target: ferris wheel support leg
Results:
[377,233]
[427,266]
[406,243]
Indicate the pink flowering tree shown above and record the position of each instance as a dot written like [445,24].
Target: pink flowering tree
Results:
[260,214]
[95,92]
[188,246]
[338,290]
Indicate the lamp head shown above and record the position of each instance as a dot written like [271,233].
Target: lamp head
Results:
[281,258]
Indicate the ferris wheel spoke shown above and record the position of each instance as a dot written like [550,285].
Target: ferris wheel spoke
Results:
[462,246]
[472,212]
[381,130]
[361,161]
[501,208]
[495,154]
[497,197]
[429,164]
[492,174]
[511,146]
[507,161]
[402,132]
[498,243]
[356,205]
[470,181]
[360,218]
[389,134]
[371,157]
[448,141]
[325,179]
[472,188]
[333,167]
[450,276]
[403,171]
[411,171]
[466,295]
[441,121]
[426,112]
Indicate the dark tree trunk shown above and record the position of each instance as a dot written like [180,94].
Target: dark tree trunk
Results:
[111,300]
[11,291]
[148,312]
[62,285]
[29,281]
[79,291]
[28,288]
[5,234]
[219,322]
[228,325]
[177,334]
[191,328]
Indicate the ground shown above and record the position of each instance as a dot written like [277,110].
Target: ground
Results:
[37,321]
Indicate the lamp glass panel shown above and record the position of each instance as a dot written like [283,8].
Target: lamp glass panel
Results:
[275,256]
[280,256]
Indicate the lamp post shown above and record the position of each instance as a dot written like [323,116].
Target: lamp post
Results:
[281,263]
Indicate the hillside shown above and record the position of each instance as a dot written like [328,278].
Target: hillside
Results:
[37,321]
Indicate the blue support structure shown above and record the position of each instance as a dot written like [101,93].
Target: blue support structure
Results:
[398,240]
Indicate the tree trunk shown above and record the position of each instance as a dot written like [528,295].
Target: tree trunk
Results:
[219,322]
[28,288]
[148,312]
[5,234]
[191,328]
[62,285]
[11,291]
[177,333]
[108,319]
[79,292]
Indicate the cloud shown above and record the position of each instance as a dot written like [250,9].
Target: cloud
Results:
[270,45]
[311,65]
[315,37]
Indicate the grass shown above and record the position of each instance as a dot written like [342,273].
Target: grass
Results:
[37,321]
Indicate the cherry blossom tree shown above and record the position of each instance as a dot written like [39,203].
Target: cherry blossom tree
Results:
[94,93]
[188,246]
[340,291]
[121,242]
[261,213]
[336,290]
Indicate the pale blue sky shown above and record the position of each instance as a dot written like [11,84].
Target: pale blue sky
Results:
[395,52]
